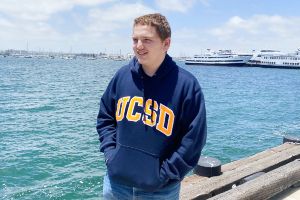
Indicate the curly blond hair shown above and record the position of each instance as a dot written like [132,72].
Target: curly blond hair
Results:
[158,21]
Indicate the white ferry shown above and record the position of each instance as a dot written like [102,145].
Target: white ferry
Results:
[222,57]
[276,59]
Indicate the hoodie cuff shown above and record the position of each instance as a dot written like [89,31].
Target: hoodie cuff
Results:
[163,177]
[108,154]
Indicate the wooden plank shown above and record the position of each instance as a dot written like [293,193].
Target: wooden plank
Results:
[204,188]
[190,181]
[265,186]
[195,179]
[292,193]
[255,157]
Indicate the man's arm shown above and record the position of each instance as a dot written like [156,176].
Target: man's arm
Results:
[106,123]
[189,151]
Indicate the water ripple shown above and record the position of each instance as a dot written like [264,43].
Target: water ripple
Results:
[49,147]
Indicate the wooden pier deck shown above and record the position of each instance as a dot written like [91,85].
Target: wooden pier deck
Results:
[281,170]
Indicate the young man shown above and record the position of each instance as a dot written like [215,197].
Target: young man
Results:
[152,119]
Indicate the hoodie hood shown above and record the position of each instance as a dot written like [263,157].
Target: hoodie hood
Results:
[166,66]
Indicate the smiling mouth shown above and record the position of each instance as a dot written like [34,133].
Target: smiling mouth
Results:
[141,53]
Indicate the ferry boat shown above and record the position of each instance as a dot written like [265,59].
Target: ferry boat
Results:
[275,59]
[222,57]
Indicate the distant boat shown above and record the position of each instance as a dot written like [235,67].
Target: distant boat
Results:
[276,59]
[222,57]
[69,57]
[118,58]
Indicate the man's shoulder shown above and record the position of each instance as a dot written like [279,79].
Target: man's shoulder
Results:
[123,70]
[185,75]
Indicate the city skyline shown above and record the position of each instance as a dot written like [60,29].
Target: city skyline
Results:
[95,26]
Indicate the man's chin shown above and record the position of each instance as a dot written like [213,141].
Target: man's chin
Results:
[142,61]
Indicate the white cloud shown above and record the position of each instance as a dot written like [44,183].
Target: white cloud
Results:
[88,25]
[31,10]
[6,23]
[41,10]
[175,5]
[27,20]
[188,41]
[205,2]
[260,31]
[30,21]
[185,33]
[240,34]
[115,17]
[111,27]
[179,5]
[90,2]
[259,25]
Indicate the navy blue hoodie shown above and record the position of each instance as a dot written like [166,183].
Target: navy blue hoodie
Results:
[151,129]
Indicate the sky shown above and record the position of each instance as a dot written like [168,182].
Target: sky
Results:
[93,26]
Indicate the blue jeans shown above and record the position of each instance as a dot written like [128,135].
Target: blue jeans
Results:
[115,191]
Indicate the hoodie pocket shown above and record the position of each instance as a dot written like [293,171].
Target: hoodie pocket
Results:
[134,168]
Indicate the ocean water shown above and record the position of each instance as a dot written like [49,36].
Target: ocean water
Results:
[49,146]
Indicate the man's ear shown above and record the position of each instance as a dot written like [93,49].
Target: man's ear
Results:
[167,43]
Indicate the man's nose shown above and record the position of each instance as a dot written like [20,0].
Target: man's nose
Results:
[139,44]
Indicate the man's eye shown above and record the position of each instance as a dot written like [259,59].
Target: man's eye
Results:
[147,40]
[134,40]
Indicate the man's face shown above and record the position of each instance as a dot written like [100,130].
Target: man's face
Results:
[149,49]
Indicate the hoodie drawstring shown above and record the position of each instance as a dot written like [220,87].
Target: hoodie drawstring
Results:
[144,101]
[152,110]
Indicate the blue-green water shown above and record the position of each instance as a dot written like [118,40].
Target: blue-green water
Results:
[48,108]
